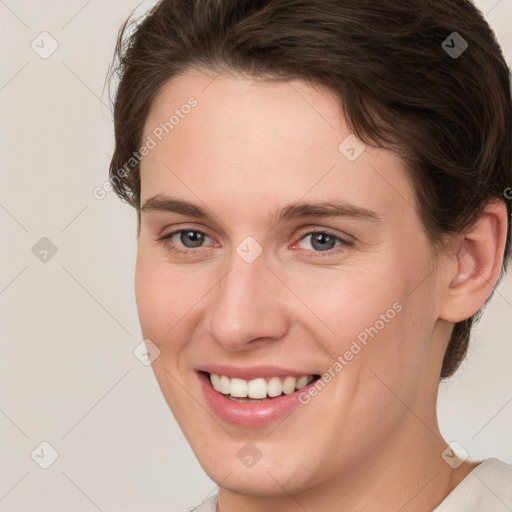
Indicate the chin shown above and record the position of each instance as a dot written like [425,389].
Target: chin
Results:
[256,482]
[267,477]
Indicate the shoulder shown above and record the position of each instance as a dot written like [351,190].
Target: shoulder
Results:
[487,487]
[210,505]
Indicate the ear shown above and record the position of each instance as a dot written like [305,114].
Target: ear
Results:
[476,264]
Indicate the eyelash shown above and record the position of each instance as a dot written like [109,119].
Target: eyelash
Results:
[344,243]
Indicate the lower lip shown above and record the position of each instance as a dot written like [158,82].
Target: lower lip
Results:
[248,414]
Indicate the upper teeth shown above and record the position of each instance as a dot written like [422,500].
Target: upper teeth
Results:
[258,388]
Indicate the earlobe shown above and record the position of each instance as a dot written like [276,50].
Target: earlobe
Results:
[478,263]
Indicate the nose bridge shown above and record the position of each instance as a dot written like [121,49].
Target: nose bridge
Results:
[245,305]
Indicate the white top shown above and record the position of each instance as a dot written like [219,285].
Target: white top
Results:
[488,488]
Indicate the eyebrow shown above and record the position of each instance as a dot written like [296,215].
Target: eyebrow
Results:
[299,210]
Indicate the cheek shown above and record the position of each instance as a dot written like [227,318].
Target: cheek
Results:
[353,304]
[150,294]
[165,293]
[371,322]
[162,299]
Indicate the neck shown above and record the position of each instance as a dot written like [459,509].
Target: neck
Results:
[406,474]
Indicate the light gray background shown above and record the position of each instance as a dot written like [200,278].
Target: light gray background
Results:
[69,326]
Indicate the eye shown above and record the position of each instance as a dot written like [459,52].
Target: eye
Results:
[187,240]
[323,241]
[190,239]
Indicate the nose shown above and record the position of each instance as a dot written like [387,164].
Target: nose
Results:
[246,306]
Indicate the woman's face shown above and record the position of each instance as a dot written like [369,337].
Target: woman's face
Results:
[289,254]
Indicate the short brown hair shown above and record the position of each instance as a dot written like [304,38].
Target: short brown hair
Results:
[388,61]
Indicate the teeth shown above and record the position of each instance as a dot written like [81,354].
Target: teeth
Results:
[302,382]
[224,385]
[215,380]
[258,388]
[274,387]
[238,388]
[289,385]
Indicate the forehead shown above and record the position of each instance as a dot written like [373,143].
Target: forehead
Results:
[249,140]
[231,105]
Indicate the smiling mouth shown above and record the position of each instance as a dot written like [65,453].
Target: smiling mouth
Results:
[259,389]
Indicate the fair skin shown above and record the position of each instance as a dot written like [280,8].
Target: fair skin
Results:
[370,439]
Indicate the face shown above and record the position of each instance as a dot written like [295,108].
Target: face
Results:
[271,254]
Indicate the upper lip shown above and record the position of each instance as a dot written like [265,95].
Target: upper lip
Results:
[252,372]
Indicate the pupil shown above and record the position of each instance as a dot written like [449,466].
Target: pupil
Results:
[325,241]
[194,237]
